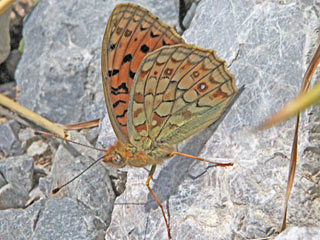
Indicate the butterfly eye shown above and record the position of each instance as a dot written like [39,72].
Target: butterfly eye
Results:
[115,159]
[118,160]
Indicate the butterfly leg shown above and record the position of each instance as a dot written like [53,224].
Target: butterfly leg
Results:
[153,168]
[200,159]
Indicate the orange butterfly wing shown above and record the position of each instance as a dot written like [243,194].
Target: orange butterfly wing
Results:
[131,33]
[178,91]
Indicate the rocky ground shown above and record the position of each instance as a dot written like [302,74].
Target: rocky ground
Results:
[267,45]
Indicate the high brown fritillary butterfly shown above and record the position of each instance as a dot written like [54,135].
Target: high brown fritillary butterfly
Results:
[158,89]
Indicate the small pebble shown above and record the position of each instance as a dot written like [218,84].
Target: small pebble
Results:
[37,148]
[25,134]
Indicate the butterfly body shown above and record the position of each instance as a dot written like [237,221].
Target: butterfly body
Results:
[120,155]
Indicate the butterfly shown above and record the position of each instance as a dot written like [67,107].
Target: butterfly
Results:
[158,90]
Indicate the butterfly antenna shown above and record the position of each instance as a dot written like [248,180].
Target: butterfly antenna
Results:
[55,190]
[64,139]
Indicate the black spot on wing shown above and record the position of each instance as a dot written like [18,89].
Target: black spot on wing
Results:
[113,72]
[127,58]
[118,90]
[164,43]
[112,46]
[142,28]
[154,35]
[117,103]
[123,114]
[144,48]
[132,74]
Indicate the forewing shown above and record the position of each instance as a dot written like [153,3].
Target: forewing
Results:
[131,33]
[178,91]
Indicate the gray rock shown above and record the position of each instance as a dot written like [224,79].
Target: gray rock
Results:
[17,172]
[12,197]
[297,233]
[37,148]
[12,61]
[2,181]
[16,224]
[4,35]
[26,137]
[52,219]
[186,9]
[8,89]
[92,135]
[26,134]
[93,189]
[9,143]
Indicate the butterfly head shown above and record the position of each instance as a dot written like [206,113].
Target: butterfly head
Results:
[115,160]
[115,156]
